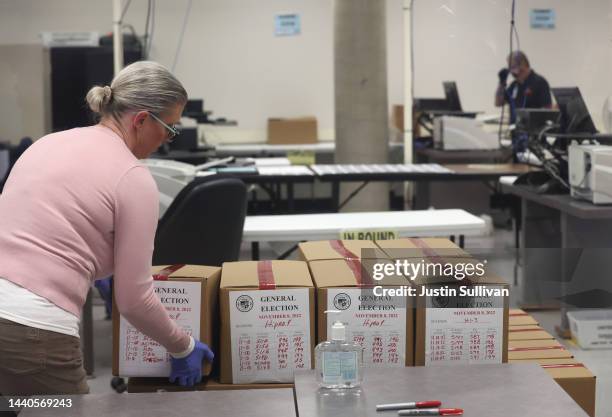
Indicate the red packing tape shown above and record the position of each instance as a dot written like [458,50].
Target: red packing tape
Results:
[166,272]
[526,330]
[564,365]
[432,255]
[353,263]
[525,349]
[265,275]
[518,314]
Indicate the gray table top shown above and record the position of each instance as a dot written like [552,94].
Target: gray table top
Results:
[507,390]
[252,403]
[562,202]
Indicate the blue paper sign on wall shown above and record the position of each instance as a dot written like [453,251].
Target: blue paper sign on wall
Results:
[542,18]
[287,24]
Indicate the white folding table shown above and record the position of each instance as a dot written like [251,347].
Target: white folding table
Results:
[326,226]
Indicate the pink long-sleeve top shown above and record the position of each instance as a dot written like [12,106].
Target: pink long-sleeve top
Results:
[78,206]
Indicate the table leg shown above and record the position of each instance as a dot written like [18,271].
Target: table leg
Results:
[290,201]
[87,335]
[462,241]
[255,251]
[335,196]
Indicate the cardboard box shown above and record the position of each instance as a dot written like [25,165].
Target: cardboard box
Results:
[397,118]
[577,381]
[296,130]
[267,321]
[519,317]
[339,249]
[573,377]
[537,349]
[194,307]
[382,324]
[421,248]
[530,332]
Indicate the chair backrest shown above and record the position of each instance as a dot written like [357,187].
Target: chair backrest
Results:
[204,223]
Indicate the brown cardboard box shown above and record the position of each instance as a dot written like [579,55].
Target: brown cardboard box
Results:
[383,325]
[339,249]
[537,349]
[203,282]
[573,377]
[397,119]
[519,317]
[267,321]
[295,130]
[421,248]
[578,382]
[466,321]
[530,332]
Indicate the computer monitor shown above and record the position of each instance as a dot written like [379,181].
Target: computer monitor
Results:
[452,96]
[575,117]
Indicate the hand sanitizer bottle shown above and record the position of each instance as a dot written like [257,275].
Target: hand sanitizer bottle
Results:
[339,364]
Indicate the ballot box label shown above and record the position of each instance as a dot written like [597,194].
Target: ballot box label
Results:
[139,355]
[464,330]
[270,334]
[376,323]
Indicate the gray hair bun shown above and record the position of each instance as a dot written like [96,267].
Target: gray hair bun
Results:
[98,97]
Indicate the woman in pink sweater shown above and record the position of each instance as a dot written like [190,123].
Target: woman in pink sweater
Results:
[78,206]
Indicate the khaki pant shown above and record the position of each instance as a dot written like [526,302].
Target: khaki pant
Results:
[35,361]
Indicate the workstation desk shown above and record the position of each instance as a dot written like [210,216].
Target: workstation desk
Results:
[336,174]
[505,390]
[568,229]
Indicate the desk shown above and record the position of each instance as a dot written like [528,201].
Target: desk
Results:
[264,149]
[252,403]
[447,172]
[506,390]
[327,226]
[559,223]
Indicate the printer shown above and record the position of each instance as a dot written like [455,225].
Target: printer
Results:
[590,173]
[462,133]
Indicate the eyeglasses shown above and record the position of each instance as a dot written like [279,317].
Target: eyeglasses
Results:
[173,131]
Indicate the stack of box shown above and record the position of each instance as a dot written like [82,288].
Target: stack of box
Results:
[519,317]
[190,295]
[531,343]
[294,130]
[267,321]
[454,327]
[382,324]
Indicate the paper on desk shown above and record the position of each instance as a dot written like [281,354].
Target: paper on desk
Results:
[139,355]
[284,170]
[378,326]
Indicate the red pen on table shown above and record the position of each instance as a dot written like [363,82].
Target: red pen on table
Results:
[409,405]
[431,412]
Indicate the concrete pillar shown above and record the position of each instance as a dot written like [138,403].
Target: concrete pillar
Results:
[360,75]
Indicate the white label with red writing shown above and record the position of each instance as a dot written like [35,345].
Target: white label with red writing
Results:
[464,330]
[139,355]
[376,323]
[270,332]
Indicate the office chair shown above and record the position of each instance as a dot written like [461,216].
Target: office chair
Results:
[203,224]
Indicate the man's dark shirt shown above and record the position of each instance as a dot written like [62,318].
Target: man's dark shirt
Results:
[534,93]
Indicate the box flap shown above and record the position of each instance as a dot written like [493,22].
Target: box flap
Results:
[339,273]
[420,247]
[186,271]
[568,372]
[521,344]
[338,249]
[284,274]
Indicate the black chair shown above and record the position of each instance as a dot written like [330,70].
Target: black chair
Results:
[203,225]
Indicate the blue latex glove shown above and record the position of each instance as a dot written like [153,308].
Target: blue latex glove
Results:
[187,371]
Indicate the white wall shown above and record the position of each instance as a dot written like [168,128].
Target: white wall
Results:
[468,41]
[232,59]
